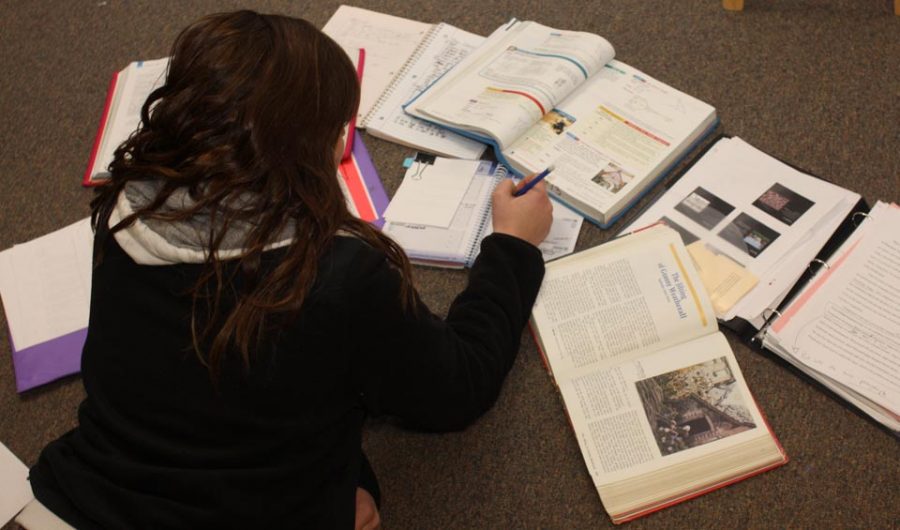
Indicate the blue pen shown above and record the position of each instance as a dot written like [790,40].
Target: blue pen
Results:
[533,182]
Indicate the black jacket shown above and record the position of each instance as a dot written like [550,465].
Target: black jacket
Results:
[159,446]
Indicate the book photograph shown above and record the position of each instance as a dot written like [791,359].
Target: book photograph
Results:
[749,235]
[783,204]
[613,178]
[704,208]
[694,405]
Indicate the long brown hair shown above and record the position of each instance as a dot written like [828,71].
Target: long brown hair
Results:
[246,123]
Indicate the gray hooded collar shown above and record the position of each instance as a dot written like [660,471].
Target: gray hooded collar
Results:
[155,242]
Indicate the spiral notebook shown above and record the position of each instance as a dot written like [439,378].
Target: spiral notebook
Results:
[456,244]
[441,48]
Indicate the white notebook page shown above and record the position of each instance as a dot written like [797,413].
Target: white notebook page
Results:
[388,41]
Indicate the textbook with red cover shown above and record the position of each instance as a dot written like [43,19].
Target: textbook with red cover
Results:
[128,90]
[654,394]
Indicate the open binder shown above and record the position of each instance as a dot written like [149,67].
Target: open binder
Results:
[863,335]
[754,331]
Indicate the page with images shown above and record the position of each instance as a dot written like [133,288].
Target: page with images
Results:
[756,211]
[443,48]
[610,135]
[520,73]
[387,39]
[618,301]
[135,84]
[661,409]
[846,323]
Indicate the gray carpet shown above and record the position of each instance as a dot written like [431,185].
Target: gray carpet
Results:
[814,82]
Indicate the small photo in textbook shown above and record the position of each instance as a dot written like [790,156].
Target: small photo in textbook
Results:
[613,178]
[704,207]
[749,235]
[783,204]
[557,121]
[693,406]
[686,236]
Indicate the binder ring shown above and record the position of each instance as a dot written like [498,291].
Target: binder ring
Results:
[767,322]
[855,217]
[772,312]
[821,264]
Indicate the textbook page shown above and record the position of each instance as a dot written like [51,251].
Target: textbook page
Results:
[46,285]
[756,211]
[442,49]
[388,41]
[614,132]
[846,323]
[520,73]
[645,296]
[133,86]
[662,409]
[14,485]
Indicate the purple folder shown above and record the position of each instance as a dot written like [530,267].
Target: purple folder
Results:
[47,361]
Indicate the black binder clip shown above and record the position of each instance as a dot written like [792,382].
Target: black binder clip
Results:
[421,162]
[856,217]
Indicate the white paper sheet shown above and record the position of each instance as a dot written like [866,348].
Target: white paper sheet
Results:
[15,490]
[846,324]
[430,194]
[45,285]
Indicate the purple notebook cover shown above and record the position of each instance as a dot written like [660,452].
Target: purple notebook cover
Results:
[48,361]
[370,177]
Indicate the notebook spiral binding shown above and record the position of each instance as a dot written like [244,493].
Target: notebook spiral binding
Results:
[500,172]
[413,58]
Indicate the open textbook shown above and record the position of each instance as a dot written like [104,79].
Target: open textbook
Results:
[442,211]
[543,97]
[843,327]
[654,393]
[127,93]
[752,225]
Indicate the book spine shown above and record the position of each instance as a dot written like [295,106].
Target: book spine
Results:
[500,173]
[400,75]
[87,180]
